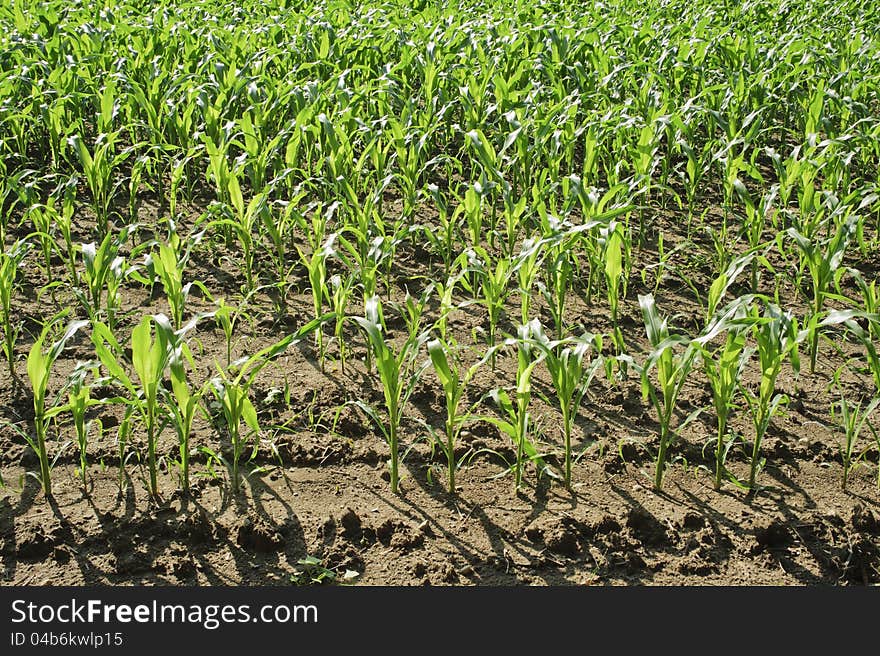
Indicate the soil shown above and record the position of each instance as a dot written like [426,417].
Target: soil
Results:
[318,486]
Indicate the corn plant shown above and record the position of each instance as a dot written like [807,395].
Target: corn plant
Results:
[182,403]
[444,239]
[852,418]
[615,282]
[340,291]
[515,421]
[228,316]
[870,299]
[231,388]
[168,264]
[10,260]
[722,284]
[398,372]
[79,400]
[560,274]
[242,220]
[226,182]
[446,293]
[724,366]
[454,379]
[42,216]
[571,369]
[527,265]
[362,257]
[316,264]
[823,259]
[149,358]
[236,408]
[279,226]
[104,271]
[672,371]
[754,226]
[777,341]
[99,166]
[493,290]
[63,220]
[39,370]
[698,156]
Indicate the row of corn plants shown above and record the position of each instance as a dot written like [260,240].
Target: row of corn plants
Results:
[552,171]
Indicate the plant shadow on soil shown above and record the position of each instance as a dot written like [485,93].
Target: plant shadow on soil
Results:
[326,495]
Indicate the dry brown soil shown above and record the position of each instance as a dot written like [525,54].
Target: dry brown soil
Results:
[319,483]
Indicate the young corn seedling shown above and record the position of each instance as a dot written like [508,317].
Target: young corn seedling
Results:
[39,369]
[721,285]
[236,407]
[316,263]
[42,216]
[724,366]
[446,293]
[64,221]
[397,371]
[340,292]
[672,371]
[99,167]
[516,419]
[494,289]
[168,264]
[698,159]
[443,241]
[527,264]
[572,369]
[852,418]
[104,270]
[472,202]
[514,222]
[823,259]
[560,274]
[225,181]
[242,221]
[362,259]
[227,316]
[79,401]
[615,282]
[777,341]
[10,260]
[870,299]
[754,226]
[149,357]
[279,227]
[182,403]
[232,387]
[454,379]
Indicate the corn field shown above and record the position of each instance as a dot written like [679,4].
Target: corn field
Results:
[515,291]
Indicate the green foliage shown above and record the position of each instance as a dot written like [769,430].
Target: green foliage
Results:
[39,370]
[672,368]
[231,389]
[571,369]
[10,261]
[531,154]
[777,338]
[397,371]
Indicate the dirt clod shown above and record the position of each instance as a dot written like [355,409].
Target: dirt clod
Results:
[772,534]
[646,528]
[351,524]
[257,535]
